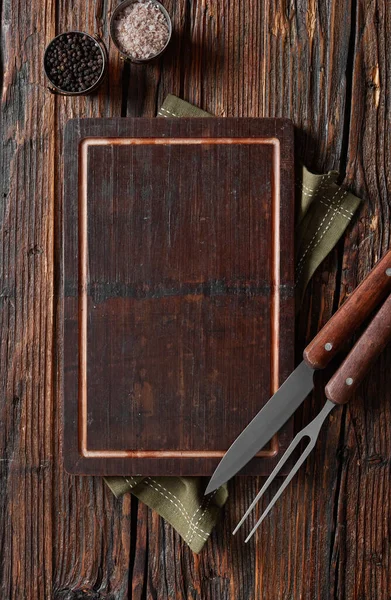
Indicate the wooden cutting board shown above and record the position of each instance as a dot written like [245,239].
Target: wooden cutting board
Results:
[178,290]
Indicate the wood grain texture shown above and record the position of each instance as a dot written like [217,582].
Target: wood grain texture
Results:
[325,64]
[44,537]
[354,311]
[178,296]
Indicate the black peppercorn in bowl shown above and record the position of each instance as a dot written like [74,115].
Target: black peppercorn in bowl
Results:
[140,40]
[75,63]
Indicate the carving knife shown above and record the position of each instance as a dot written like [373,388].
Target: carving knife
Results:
[299,384]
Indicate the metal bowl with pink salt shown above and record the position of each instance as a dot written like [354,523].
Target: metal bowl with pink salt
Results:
[140,29]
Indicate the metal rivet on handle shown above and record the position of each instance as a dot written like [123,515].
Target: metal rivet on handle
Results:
[349,381]
[328,346]
[388,272]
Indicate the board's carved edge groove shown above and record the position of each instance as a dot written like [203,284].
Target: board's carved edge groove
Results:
[171,453]
[84,144]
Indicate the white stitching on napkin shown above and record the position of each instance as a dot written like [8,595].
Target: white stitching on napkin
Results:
[192,517]
[305,187]
[299,271]
[186,516]
[323,180]
[201,515]
[131,485]
[199,508]
[168,111]
[314,190]
[176,498]
[338,210]
[313,239]
[315,194]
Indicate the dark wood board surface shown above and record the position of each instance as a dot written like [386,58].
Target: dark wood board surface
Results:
[178,295]
[323,63]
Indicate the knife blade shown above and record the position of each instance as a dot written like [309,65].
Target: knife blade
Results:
[299,384]
[264,425]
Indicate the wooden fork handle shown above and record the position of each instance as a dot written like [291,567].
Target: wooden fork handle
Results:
[351,315]
[361,357]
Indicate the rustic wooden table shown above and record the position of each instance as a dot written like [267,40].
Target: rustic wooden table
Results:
[327,65]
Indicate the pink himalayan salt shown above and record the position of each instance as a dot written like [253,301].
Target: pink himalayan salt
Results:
[141,30]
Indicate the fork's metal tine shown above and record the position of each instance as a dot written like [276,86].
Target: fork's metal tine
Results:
[282,488]
[312,432]
[272,475]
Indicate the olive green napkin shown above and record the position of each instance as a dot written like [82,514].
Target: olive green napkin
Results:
[324,210]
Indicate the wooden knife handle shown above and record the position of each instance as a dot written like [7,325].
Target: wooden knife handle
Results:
[360,359]
[350,315]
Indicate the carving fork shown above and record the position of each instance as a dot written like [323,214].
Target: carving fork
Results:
[338,391]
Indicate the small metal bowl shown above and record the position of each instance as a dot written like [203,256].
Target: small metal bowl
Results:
[54,89]
[128,57]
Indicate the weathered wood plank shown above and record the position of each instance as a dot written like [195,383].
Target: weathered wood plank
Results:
[26,307]
[59,534]
[91,528]
[363,506]
[323,63]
